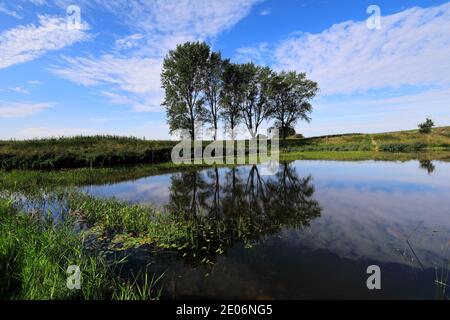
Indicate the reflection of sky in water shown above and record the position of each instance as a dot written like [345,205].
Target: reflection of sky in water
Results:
[369,208]
[146,190]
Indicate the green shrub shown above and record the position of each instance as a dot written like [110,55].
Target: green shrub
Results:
[426,126]
[403,147]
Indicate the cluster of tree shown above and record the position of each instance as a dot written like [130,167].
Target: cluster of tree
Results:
[202,87]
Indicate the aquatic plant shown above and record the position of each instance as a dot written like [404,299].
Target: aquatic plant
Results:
[35,254]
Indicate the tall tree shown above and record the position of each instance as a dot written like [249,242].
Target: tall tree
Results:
[291,94]
[182,78]
[213,84]
[231,96]
[256,105]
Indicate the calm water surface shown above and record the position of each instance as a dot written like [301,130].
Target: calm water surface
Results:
[319,225]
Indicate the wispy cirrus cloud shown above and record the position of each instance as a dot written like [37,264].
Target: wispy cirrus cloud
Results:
[131,81]
[20,110]
[129,42]
[133,77]
[20,90]
[411,49]
[165,18]
[9,12]
[28,42]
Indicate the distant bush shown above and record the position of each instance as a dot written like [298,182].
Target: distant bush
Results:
[403,147]
[426,126]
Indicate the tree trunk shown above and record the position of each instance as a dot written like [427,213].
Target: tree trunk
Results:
[215,129]
[192,130]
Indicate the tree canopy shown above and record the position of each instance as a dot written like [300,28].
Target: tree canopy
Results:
[202,88]
[183,81]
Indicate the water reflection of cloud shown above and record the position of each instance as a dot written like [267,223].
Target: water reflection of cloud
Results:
[360,224]
[369,208]
[140,191]
[376,172]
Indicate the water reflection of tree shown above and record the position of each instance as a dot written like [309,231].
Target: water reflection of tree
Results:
[427,165]
[187,193]
[238,204]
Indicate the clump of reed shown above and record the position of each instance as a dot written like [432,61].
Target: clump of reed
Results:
[36,252]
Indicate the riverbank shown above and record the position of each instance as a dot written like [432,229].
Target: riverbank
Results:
[109,151]
[31,181]
[205,219]
[35,255]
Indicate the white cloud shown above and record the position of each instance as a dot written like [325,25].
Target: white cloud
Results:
[20,110]
[37,2]
[174,17]
[411,49]
[135,75]
[8,12]
[20,90]
[372,114]
[26,43]
[129,42]
[264,13]
[34,83]
[257,54]
[134,79]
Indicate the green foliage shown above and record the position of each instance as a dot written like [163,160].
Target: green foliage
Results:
[426,126]
[193,76]
[182,78]
[402,147]
[291,94]
[34,256]
[286,131]
[155,156]
[231,96]
[79,152]
[256,104]
[213,86]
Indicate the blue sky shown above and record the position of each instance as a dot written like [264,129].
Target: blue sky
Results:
[102,77]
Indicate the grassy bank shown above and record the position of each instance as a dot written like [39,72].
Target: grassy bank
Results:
[198,236]
[107,151]
[366,155]
[392,142]
[35,180]
[36,252]
[31,181]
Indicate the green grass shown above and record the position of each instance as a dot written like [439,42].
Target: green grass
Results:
[366,155]
[35,254]
[198,239]
[78,152]
[110,151]
[396,142]
[36,180]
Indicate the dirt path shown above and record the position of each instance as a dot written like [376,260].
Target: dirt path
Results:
[374,143]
